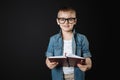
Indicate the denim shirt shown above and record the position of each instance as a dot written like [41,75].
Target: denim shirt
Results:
[80,47]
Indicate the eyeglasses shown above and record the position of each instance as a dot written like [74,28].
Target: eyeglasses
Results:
[63,20]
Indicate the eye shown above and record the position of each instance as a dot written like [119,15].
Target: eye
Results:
[61,19]
[71,19]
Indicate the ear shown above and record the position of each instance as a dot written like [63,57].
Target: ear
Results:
[75,22]
[57,21]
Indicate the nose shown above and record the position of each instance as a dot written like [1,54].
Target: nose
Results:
[66,21]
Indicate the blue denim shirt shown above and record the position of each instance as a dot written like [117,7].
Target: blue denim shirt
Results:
[80,47]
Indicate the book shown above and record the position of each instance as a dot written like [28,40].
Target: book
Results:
[68,60]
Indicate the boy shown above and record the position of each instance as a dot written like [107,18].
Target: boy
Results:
[70,42]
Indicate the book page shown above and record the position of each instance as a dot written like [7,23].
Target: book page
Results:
[74,56]
[56,57]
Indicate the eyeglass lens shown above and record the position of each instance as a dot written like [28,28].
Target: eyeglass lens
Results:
[69,20]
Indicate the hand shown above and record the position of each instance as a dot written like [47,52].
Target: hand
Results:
[51,65]
[86,66]
[82,67]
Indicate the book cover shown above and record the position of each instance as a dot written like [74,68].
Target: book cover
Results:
[68,60]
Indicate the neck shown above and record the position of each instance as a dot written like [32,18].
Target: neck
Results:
[67,35]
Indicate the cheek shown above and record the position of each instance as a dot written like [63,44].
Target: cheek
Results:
[72,25]
[60,25]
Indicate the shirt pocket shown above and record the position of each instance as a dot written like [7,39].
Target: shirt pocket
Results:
[57,50]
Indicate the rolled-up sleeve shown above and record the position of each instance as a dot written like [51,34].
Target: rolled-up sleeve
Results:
[85,47]
[49,51]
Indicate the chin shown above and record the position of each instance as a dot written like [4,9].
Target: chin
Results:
[67,30]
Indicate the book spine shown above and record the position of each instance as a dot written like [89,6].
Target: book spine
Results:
[68,62]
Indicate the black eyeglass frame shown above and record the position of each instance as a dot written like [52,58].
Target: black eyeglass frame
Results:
[67,19]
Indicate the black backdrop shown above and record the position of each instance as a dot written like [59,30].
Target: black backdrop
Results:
[27,26]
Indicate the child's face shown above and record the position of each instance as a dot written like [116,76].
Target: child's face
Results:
[66,20]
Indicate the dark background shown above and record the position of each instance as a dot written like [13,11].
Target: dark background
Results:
[27,25]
